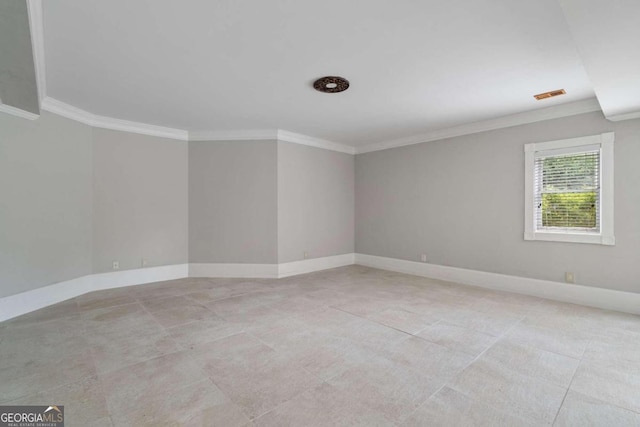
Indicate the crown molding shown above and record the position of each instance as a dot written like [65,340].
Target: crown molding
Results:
[627,116]
[240,135]
[542,114]
[69,111]
[52,105]
[4,108]
[60,108]
[270,135]
[296,138]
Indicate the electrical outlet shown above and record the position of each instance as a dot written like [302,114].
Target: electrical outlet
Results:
[423,257]
[116,265]
[143,263]
[569,277]
[306,255]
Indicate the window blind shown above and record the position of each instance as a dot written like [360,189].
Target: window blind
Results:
[567,191]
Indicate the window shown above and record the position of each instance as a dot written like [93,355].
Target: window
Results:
[569,190]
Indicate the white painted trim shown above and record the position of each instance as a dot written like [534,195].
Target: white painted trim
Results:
[604,142]
[270,271]
[621,117]
[265,271]
[577,294]
[592,238]
[296,138]
[270,135]
[241,135]
[26,302]
[316,264]
[52,105]
[36,27]
[529,192]
[4,108]
[549,113]
[607,189]
[590,140]
[69,111]
[139,276]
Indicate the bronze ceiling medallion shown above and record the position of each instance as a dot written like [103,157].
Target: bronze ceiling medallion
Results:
[331,84]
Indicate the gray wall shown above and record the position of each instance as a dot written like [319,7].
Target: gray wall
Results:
[139,200]
[315,202]
[233,202]
[45,202]
[18,87]
[74,199]
[461,201]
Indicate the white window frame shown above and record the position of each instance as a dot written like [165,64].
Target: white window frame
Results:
[605,236]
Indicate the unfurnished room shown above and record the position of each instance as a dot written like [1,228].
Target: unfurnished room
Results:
[339,213]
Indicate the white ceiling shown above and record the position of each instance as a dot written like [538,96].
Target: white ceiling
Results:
[229,65]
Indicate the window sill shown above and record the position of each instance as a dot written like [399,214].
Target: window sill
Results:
[596,239]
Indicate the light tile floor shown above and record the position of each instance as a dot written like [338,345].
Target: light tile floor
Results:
[349,346]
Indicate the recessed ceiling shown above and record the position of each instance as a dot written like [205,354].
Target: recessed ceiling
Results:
[226,65]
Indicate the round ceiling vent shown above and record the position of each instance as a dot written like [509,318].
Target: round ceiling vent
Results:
[331,84]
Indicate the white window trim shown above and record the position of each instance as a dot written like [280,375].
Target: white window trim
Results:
[606,234]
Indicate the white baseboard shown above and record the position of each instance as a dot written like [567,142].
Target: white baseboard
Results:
[249,271]
[270,271]
[139,276]
[26,302]
[585,295]
[316,264]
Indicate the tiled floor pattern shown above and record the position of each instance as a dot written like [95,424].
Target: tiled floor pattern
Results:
[350,346]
